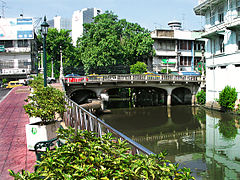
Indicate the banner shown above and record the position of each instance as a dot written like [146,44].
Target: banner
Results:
[16,28]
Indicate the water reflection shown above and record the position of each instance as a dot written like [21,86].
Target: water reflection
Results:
[207,142]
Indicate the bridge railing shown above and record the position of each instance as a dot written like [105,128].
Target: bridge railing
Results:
[80,119]
[134,77]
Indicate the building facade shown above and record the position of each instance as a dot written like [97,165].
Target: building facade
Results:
[18,49]
[80,17]
[59,23]
[176,49]
[222,29]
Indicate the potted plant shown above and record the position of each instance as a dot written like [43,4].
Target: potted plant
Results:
[44,103]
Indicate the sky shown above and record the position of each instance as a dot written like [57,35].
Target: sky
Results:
[150,14]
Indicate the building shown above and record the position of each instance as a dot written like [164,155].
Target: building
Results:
[176,49]
[18,51]
[59,23]
[222,29]
[80,17]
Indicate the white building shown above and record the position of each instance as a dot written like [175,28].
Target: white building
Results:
[222,28]
[59,23]
[17,47]
[176,49]
[80,17]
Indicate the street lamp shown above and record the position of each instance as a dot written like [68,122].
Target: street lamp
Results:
[61,64]
[202,61]
[44,30]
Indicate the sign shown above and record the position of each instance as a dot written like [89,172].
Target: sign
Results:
[169,61]
[16,28]
[2,48]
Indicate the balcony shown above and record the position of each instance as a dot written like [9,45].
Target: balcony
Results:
[203,6]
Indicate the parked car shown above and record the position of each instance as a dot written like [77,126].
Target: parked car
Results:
[72,75]
[13,84]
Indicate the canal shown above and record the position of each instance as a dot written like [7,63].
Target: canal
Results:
[206,141]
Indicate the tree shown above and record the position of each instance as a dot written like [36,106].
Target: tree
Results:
[54,40]
[138,68]
[108,41]
[227,98]
[201,97]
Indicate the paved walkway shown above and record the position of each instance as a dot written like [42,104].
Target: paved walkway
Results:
[13,149]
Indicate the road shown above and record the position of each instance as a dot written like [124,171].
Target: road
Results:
[3,92]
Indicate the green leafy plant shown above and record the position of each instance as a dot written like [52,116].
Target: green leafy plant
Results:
[86,156]
[138,68]
[165,71]
[227,98]
[44,103]
[201,97]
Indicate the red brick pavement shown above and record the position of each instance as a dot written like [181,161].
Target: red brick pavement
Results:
[13,147]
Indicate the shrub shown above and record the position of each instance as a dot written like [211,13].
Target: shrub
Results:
[201,97]
[138,68]
[227,98]
[45,103]
[165,71]
[86,156]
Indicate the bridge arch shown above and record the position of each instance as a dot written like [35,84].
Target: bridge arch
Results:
[82,96]
[181,96]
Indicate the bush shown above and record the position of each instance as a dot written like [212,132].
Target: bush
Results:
[165,71]
[138,68]
[227,98]
[86,156]
[201,97]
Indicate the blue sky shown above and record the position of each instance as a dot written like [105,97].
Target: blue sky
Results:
[148,13]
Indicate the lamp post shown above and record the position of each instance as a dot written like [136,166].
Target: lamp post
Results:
[202,61]
[61,64]
[167,66]
[44,30]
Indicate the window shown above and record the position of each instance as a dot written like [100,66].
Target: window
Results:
[183,45]
[22,43]
[212,17]
[238,39]
[238,7]
[220,14]
[221,43]
[7,43]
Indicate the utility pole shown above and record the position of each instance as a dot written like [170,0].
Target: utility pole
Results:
[3,8]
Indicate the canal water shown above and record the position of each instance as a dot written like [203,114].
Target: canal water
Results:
[206,141]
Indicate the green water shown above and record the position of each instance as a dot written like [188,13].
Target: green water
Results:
[206,141]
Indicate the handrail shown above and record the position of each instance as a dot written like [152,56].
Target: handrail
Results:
[132,77]
[80,119]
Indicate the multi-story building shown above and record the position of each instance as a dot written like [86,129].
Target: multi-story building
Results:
[222,29]
[17,47]
[80,17]
[59,23]
[176,49]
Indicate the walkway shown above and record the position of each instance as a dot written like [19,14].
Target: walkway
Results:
[13,149]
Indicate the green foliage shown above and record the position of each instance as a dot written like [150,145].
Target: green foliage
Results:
[4,81]
[109,41]
[228,128]
[138,68]
[165,71]
[86,156]
[37,82]
[227,98]
[54,40]
[201,97]
[45,102]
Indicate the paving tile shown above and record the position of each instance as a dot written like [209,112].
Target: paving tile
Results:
[13,149]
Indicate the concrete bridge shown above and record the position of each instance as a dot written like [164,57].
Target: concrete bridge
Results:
[100,84]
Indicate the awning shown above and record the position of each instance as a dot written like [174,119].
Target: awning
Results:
[212,34]
[189,73]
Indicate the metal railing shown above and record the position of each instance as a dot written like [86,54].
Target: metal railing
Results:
[132,77]
[80,119]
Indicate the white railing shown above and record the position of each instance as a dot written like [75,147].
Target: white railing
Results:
[134,77]
[80,119]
